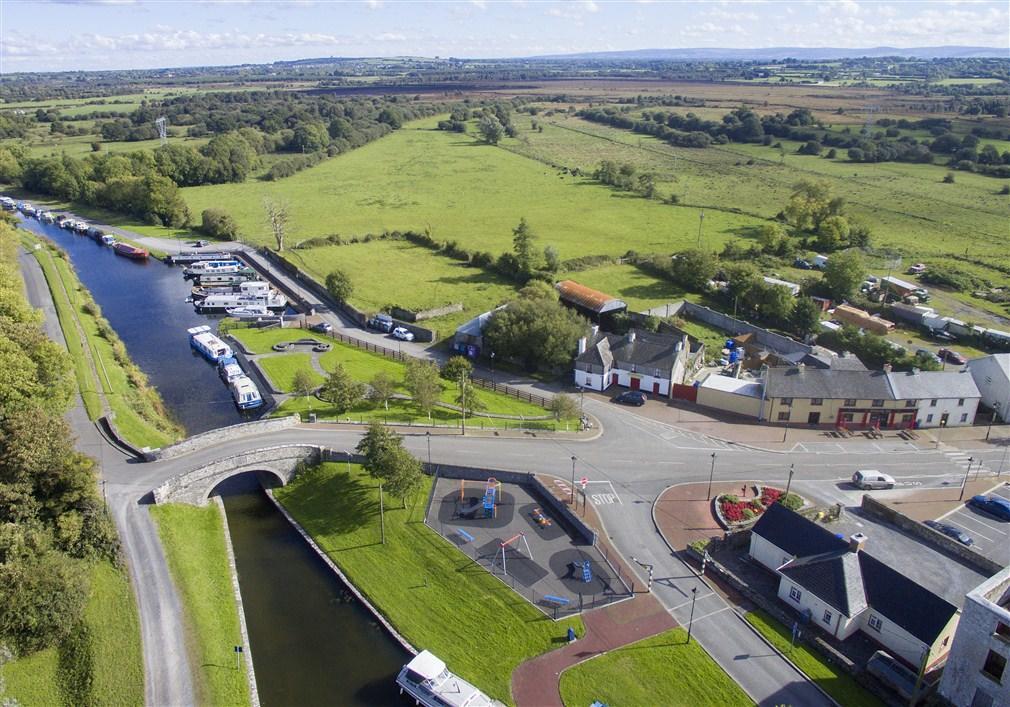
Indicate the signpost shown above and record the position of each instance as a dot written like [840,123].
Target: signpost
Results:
[238,657]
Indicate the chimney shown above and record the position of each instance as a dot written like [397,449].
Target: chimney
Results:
[857,541]
[582,345]
[631,336]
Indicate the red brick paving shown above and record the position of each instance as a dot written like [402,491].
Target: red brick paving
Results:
[684,514]
[535,682]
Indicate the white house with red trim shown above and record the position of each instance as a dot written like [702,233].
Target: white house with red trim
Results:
[639,360]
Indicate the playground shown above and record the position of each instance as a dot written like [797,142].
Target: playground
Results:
[514,533]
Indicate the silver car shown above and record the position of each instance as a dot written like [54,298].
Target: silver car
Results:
[869,480]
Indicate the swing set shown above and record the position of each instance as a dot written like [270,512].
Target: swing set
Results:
[512,542]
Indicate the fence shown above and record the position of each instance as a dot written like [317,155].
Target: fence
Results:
[731,325]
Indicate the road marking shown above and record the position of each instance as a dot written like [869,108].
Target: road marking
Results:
[600,499]
[711,613]
[981,522]
[970,530]
[703,596]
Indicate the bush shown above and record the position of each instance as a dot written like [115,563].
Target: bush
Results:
[219,224]
[339,285]
[792,502]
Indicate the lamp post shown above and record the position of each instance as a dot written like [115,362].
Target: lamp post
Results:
[964,481]
[347,458]
[701,221]
[573,480]
[427,436]
[711,474]
[792,469]
[492,370]
[690,621]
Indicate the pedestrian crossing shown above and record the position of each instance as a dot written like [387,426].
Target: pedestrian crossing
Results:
[964,461]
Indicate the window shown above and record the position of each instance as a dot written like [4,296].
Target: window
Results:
[787,401]
[929,418]
[981,698]
[795,594]
[911,403]
[875,622]
[879,403]
[960,402]
[827,618]
[932,403]
[816,401]
[907,418]
[964,417]
[589,380]
[784,416]
[994,666]
[850,402]
[1002,630]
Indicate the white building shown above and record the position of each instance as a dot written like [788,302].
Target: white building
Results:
[836,585]
[976,673]
[638,360]
[940,398]
[992,376]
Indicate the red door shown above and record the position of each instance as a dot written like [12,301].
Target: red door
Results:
[655,388]
[613,379]
[635,383]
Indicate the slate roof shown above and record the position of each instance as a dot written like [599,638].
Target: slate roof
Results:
[834,577]
[933,384]
[647,350]
[808,382]
[587,297]
[910,605]
[795,534]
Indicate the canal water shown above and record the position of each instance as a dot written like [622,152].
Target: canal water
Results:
[313,643]
[144,302]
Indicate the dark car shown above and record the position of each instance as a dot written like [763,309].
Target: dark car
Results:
[802,264]
[942,335]
[631,397]
[952,357]
[951,532]
[382,322]
[322,327]
[996,506]
[927,355]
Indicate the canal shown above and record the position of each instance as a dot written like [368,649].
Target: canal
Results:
[144,301]
[313,643]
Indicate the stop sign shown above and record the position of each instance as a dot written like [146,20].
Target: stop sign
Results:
[584,480]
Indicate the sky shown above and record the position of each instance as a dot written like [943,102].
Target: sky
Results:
[58,35]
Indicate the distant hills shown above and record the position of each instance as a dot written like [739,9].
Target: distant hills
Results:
[774,53]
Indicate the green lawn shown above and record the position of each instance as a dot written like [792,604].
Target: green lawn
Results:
[281,369]
[194,543]
[111,614]
[662,670]
[830,678]
[433,595]
[640,290]
[465,191]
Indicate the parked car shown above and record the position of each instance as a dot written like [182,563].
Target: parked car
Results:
[993,505]
[322,328]
[870,479]
[951,532]
[892,673]
[952,357]
[631,397]
[942,335]
[802,264]
[917,269]
[201,244]
[382,322]
[402,334]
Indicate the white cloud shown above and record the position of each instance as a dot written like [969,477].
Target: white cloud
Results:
[590,6]
[374,4]
[482,4]
[390,37]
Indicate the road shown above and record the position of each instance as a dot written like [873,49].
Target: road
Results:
[634,459]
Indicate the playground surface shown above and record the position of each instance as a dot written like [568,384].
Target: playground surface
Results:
[517,536]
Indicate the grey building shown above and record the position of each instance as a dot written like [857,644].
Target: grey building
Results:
[976,673]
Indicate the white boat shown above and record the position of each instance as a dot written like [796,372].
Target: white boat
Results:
[205,267]
[222,303]
[250,288]
[429,682]
[245,392]
[81,227]
[8,203]
[249,311]
[24,207]
[108,239]
[47,217]
[229,369]
[225,278]
[207,344]
[68,223]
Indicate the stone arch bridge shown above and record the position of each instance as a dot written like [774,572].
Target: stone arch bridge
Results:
[194,487]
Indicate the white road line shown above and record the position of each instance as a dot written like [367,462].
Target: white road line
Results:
[711,613]
[970,530]
[703,596]
[980,522]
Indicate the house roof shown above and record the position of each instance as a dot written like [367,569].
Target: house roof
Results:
[475,326]
[903,601]
[1000,361]
[794,534]
[820,357]
[737,386]
[587,297]
[933,384]
[905,284]
[807,382]
[834,577]
[647,349]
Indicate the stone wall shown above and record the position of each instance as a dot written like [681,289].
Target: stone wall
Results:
[409,315]
[875,509]
[224,434]
[731,325]
[194,487]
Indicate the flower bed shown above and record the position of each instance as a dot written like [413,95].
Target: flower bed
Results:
[734,512]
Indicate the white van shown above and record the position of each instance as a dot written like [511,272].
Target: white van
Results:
[869,479]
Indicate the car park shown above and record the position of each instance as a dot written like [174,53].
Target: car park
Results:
[631,397]
[322,327]
[951,356]
[871,479]
[993,505]
[951,532]
[403,334]
[382,322]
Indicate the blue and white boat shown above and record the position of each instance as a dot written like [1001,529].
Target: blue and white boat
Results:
[245,392]
[229,369]
[207,344]
[206,267]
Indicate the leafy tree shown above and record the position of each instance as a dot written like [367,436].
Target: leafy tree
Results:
[374,443]
[218,223]
[772,238]
[540,333]
[810,204]
[277,220]
[303,384]
[403,474]
[524,247]
[42,596]
[564,407]
[843,273]
[341,390]
[468,398]
[833,233]
[538,290]
[391,117]
[806,316]
[383,387]
[338,284]
[775,303]
[693,269]
[552,261]
[457,367]
[491,129]
[421,379]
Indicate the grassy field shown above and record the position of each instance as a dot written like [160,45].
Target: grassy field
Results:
[194,543]
[415,278]
[662,670]
[111,614]
[469,618]
[281,369]
[830,678]
[640,290]
[465,191]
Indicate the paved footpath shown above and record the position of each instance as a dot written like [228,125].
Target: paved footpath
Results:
[536,681]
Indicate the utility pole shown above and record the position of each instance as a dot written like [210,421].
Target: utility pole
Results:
[492,371]
[462,396]
[573,480]
[382,519]
[918,678]
[428,437]
[792,468]
[995,412]
[701,221]
[347,458]
[690,621]
[711,473]
[964,481]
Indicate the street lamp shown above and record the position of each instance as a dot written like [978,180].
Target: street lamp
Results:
[701,221]
[428,437]
[711,473]
[492,370]
[792,469]
[995,412]
[964,482]
[347,458]
[573,480]
[690,621]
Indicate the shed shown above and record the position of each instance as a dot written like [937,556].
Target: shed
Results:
[590,301]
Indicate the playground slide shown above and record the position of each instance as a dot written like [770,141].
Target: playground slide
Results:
[477,505]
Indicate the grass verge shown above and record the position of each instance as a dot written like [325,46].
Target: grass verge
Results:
[662,670]
[433,595]
[830,678]
[194,544]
